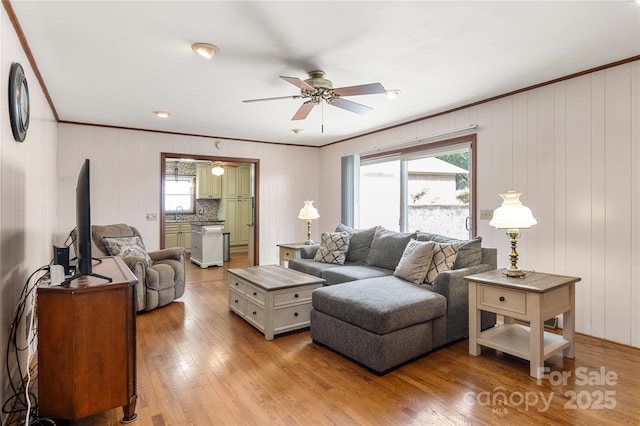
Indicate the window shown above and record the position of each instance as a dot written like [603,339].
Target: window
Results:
[427,188]
[180,194]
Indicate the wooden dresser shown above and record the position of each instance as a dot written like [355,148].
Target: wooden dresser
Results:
[87,345]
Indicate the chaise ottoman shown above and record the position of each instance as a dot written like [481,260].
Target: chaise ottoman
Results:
[379,322]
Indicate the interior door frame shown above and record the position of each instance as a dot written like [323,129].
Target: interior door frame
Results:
[168,156]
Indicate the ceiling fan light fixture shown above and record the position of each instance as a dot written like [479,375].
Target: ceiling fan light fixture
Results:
[162,114]
[392,93]
[205,50]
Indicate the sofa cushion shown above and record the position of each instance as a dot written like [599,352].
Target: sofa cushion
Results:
[415,261]
[127,247]
[380,305]
[333,247]
[387,248]
[469,251]
[352,272]
[359,244]
[444,257]
[311,267]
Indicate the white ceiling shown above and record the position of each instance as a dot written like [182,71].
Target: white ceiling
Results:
[114,62]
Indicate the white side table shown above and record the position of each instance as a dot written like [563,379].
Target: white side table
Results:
[534,298]
[290,251]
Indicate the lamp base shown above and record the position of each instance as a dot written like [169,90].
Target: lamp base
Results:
[310,243]
[514,273]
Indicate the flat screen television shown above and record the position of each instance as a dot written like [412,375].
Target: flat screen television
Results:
[83,226]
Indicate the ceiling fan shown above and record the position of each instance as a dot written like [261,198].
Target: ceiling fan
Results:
[317,89]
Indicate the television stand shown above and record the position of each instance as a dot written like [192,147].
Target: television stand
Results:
[87,344]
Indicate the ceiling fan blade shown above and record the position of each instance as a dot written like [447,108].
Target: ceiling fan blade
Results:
[303,111]
[364,89]
[299,83]
[351,106]
[272,99]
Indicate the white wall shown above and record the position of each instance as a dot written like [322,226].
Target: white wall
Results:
[28,190]
[573,149]
[125,180]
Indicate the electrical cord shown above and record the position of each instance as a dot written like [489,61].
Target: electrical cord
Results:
[21,407]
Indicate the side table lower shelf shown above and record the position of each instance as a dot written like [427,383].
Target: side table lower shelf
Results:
[515,340]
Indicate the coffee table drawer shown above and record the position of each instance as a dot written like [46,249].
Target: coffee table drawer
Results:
[237,302]
[255,315]
[256,294]
[293,296]
[238,284]
[298,315]
[502,298]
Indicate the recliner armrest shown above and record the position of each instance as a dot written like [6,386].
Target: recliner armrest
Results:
[175,253]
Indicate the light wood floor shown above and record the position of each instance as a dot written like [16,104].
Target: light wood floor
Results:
[199,364]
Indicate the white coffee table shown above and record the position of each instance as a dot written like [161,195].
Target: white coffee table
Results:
[272,298]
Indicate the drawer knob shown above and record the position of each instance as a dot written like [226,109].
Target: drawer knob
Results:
[295,314]
[255,294]
[236,300]
[254,313]
[501,298]
[296,295]
[236,284]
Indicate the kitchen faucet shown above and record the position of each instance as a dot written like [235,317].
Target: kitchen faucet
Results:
[178,208]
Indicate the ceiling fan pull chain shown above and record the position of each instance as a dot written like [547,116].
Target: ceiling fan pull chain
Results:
[322,123]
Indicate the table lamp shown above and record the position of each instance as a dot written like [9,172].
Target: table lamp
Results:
[308,213]
[513,216]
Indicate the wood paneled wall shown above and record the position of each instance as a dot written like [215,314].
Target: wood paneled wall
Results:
[125,180]
[28,200]
[573,149]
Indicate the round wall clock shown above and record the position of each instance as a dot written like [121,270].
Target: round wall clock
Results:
[18,102]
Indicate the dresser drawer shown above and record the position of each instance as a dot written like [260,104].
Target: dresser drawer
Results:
[297,315]
[237,302]
[256,294]
[502,298]
[293,296]
[255,315]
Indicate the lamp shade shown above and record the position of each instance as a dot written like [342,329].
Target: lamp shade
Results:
[512,214]
[308,212]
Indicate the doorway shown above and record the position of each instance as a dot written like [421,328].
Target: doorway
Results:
[237,198]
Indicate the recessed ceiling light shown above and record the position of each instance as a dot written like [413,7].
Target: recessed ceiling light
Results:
[161,114]
[392,94]
[297,131]
[205,50]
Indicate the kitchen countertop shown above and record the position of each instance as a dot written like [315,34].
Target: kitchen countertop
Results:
[197,222]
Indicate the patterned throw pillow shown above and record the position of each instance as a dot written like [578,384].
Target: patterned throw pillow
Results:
[444,256]
[126,247]
[415,261]
[333,247]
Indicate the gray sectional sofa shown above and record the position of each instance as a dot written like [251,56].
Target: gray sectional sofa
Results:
[371,312]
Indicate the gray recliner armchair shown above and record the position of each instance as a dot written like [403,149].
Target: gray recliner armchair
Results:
[159,283]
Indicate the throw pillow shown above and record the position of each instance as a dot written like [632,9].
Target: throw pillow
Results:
[127,246]
[469,251]
[333,247]
[444,256]
[387,248]
[415,261]
[359,244]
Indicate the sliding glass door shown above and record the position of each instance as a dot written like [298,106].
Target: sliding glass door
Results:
[430,189]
